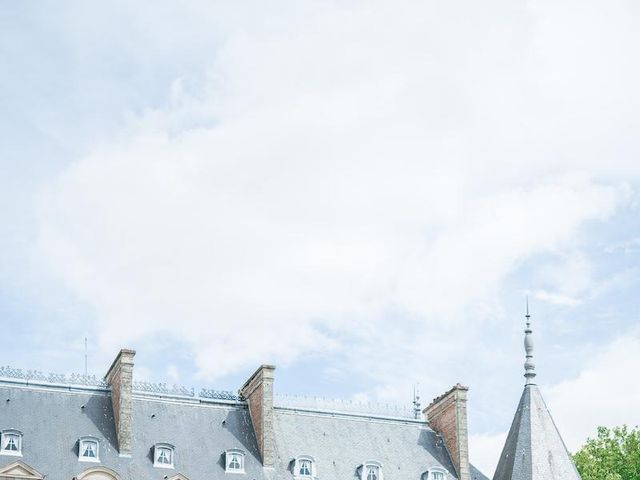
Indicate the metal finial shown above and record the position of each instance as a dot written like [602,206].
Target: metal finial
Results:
[529,366]
[416,401]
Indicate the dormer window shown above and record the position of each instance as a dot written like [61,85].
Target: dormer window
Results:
[11,442]
[304,467]
[163,455]
[234,461]
[88,449]
[371,471]
[436,474]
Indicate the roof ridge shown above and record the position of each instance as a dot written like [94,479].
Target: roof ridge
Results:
[139,386]
[346,405]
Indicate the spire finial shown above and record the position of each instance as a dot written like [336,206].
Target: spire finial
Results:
[529,366]
[416,401]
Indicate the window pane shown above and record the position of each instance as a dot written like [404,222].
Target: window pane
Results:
[12,443]
[89,450]
[305,467]
[164,456]
[234,462]
[372,473]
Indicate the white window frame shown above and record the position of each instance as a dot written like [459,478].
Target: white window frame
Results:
[82,444]
[228,456]
[364,471]
[157,448]
[430,473]
[5,435]
[298,463]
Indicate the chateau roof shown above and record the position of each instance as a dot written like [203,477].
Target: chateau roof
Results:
[53,416]
[406,449]
[52,420]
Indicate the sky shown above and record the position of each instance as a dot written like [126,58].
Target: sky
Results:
[362,193]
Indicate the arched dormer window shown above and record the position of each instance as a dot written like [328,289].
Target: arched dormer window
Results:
[371,470]
[11,442]
[98,473]
[435,473]
[304,467]
[163,455]
[88,449]
[234,460]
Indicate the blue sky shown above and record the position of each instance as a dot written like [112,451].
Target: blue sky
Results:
[362,193]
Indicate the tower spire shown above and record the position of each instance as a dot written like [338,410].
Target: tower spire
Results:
[529,366]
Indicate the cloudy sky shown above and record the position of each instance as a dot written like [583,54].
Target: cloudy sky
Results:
[361,192]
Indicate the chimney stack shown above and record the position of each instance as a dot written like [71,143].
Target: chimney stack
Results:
[258,392]
[120,379]
[447,415]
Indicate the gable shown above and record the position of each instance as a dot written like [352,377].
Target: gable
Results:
[179,476]
[20,470]
[98,473]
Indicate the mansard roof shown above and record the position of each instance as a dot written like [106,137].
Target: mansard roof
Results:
[534,449]
[53,416]
[340,443]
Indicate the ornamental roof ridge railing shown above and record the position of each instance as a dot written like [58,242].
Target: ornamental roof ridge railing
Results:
[343,405]
[82,380]
[58,378]
[159,388]
[177,390]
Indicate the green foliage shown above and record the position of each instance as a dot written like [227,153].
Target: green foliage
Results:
[613,455]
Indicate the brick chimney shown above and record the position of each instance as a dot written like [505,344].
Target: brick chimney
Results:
[258,392]
[447,415]
[120,379]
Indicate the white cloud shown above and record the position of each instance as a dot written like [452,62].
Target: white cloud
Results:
[603,393]
[357,160]
[556,298]
[173,373]
[160,237]
[484,451]
[569,277]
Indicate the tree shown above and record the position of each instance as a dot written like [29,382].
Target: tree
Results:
[613,455]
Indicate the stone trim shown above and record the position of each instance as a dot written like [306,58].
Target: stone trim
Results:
[20,470]
[99,473]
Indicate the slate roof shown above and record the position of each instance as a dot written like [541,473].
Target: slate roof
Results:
[53,418]
[534,449]
[341,443]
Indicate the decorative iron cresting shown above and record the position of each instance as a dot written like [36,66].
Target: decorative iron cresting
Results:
[344,405]
[93,381]
[58,378]
[163,389]
[218,394]
[291,401]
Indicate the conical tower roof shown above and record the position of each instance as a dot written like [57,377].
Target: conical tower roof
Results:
[534,449]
